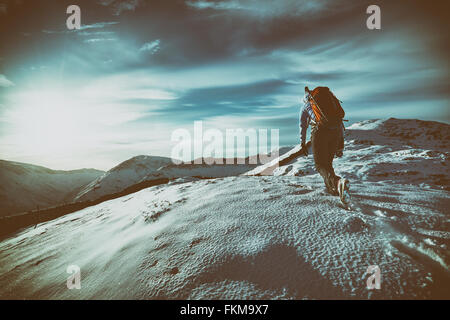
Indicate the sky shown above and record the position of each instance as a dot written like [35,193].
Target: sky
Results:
[138,70]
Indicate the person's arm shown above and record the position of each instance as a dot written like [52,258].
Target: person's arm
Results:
[304,122]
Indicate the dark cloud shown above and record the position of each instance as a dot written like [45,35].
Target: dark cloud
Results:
[420,92]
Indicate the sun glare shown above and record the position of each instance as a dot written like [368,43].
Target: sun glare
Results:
[47,123]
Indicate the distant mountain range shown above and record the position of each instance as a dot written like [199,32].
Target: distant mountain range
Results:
[25,187]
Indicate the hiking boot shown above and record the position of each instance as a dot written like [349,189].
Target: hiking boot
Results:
[343,188]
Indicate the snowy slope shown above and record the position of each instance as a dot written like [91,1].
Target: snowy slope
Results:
[25,187]
[246,237]
[238,237]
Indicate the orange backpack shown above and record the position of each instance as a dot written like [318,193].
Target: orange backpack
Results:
[326,107]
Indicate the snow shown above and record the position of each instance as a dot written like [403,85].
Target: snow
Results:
[366,125]
[255,237]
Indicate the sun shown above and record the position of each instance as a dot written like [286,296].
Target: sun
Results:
[46,122]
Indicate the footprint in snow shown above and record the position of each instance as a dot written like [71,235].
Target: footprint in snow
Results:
[172,271]
[355,224]
[196,242]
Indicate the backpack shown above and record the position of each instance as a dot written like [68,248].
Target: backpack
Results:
[326,107]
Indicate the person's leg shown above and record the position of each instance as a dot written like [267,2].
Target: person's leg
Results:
[341,186]
[324,147]
[333,147]
[340,146]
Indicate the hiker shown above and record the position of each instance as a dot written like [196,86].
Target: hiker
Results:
[323,111]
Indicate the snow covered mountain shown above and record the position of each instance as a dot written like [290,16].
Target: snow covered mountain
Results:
[25,187]
[412,152]
[148,168]
[259,237]
[122,176]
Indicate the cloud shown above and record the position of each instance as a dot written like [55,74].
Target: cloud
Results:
[152,47]
[222,5]
[119,6]
[98,25]
[94,40]
[125,88]
[4,82]
[263,8]
[95,33]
